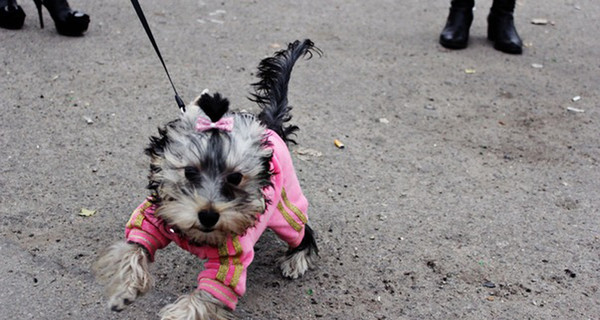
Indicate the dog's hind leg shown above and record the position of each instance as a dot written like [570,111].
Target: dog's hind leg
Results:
[124,266]
[298,260]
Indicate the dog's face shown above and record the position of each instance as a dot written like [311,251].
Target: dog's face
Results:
[209,182]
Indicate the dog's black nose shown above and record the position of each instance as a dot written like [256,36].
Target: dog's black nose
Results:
[208,218]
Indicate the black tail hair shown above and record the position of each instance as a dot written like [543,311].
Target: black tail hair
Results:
[271,91]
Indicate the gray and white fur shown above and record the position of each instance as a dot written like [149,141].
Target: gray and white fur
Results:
[208,185]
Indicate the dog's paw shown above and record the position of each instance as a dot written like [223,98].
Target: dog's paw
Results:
[119,301]
[124,267]
[296,264]
[199,305]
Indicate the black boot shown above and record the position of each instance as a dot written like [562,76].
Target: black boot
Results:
[501,27]
[12,15]
[456,32]
[68,22]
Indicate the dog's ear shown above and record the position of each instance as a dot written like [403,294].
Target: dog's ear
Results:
[213,106]
[156,152]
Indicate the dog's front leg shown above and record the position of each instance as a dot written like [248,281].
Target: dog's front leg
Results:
[124,266]
[199,305]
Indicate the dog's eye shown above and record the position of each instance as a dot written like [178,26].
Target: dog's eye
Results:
[234,178]
[192,173]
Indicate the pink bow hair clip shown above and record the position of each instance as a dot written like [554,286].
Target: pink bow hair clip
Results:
[205,124]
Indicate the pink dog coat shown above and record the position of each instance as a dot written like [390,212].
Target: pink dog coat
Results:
[224,275]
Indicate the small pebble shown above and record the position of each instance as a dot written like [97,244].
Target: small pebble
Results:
[537,65]
[575,110]
[539,21]
[570,273]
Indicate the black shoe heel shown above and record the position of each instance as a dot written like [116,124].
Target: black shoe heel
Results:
[38,5]
[68,22]
[12,15]
[491,33]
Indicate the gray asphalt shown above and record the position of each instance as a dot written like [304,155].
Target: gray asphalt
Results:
[459,195]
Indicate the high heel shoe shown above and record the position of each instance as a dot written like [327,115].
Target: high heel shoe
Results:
[12,15]
[68,22]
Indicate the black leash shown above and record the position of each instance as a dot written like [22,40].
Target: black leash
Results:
[140,13]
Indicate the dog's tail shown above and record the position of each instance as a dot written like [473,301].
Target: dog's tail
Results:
[271,90]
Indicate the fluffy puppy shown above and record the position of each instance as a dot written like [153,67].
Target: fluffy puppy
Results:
[218,179]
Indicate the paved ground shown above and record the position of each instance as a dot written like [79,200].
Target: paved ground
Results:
[475,198]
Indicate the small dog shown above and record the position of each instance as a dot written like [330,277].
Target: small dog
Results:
[218,179]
